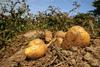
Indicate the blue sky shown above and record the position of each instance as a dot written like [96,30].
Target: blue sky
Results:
[64,5]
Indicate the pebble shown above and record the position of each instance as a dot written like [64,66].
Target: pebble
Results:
[88,56]
[82,64]
[94,62]
[74,48]
[73,61]
[86,64]
[83,52]
[90,49]
[96,52]
[68,53]
[97,42]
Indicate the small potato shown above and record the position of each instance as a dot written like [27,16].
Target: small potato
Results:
[36,42]
[76,36]
[33,34]
[36,51]
[30,34]
[58,41]
[60,34]
[48,35]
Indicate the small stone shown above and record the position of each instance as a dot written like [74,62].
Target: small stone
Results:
[82,64]
[94,62]
[79,59]
[83,52]
[96,52]
[73,61]
[86,64]
[74,48]
[89,49]
[64,51]
[71,66]
[88,56]
[97,42]
[67,53]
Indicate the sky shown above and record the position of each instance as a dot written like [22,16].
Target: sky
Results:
[64,5]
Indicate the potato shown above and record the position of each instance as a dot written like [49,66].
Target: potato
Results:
[33,33]
[58,41]
[36,51]
[60,34]
[76,36]
[36,42]
[48,35]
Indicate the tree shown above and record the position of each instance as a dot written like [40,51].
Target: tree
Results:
[14,18]
[96,11]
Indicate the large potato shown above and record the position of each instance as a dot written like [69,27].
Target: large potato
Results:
[36,50]
[76,35]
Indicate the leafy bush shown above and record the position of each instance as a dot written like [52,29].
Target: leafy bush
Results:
[52,19]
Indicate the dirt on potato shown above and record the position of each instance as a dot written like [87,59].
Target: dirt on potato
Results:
[12,55]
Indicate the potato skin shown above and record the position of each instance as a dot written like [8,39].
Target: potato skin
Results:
[76,36]
[36,42]
[33,33]
[36,51]
[60,34]
[48,36]
[58,42]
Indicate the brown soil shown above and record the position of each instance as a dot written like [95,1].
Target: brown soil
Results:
[12,55]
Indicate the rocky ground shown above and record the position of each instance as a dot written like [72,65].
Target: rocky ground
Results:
[12,55]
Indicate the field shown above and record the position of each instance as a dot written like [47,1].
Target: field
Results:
[12,55]
[15,25]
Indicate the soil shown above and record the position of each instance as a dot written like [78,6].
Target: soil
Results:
[12,55]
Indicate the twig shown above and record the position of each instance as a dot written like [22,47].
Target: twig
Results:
[2,39]
[53,60]
[59,64]
[53,40]
[60,55]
